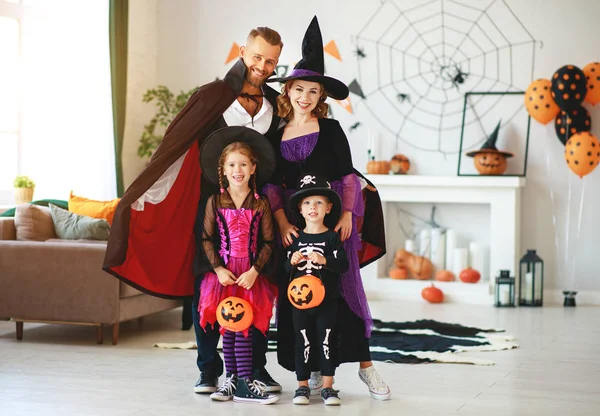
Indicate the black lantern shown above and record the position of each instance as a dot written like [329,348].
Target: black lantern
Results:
[505,290]
[531,280]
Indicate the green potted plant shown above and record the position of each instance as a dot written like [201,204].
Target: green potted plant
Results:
[23,189]
[167,107]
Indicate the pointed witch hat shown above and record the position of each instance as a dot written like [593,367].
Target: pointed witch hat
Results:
[490,145]
[312,65]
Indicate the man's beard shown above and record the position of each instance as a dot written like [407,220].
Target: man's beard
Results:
[252,80]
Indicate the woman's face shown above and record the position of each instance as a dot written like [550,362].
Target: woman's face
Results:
[304,96]
[238,169]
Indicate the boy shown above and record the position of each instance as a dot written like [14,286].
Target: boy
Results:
[318,252]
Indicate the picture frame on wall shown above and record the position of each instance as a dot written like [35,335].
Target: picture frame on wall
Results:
[496,126]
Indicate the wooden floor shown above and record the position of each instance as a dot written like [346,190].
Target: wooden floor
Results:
[59,370]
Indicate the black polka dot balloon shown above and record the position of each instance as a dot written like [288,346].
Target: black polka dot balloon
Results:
[569,123]
[569,87]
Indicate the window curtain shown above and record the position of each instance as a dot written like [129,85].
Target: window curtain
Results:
[66,141]
[118,22]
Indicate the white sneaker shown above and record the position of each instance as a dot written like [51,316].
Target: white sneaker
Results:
[378,388]
[315,383]
[226,391]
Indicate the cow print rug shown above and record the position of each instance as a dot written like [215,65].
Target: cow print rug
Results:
[423,341]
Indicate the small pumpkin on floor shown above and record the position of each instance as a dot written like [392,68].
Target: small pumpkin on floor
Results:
[432,294]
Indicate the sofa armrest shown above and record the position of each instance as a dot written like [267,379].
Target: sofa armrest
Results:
[8,231]
[57,282]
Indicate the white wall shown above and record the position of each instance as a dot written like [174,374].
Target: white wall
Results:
[193,37]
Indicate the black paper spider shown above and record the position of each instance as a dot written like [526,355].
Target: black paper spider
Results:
[454,74]
[360,53]
[354,126]
[403,97]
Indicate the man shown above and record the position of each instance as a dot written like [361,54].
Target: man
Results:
[154,243]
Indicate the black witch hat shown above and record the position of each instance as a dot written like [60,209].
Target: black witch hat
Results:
[490,145]
[213,145]
[312,65]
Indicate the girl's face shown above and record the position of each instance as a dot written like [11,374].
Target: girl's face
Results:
[304,96]
[237,169]
[314,208]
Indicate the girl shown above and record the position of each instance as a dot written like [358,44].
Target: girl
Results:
[311,143]
[238,241]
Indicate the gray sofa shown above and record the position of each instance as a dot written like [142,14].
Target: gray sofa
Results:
[61,281]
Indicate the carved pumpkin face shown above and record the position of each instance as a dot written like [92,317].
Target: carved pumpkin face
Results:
[235,314]
[306,292]
[490,163]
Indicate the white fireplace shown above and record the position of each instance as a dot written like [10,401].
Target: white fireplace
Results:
[501,193]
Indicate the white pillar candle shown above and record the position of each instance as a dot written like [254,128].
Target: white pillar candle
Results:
[438,248]
[504,295]
[528,287]
[476,257]
[460,260]
[450,246]
[425,243]
[409,245]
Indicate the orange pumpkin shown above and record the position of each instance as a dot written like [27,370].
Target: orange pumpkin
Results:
[490,163]
[306,292]
[582,153]
[420,267]
[378,167]
[469,275]
[401,258]
[400,164]
[444,276]
[235,314]
[399,273]
[432,294]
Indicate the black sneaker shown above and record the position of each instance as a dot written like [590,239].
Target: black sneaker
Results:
[264,377]
[226,391]
[207,383]
[302,395]
[252,391]
[330,397]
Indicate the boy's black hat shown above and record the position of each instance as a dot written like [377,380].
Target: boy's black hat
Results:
[311,184]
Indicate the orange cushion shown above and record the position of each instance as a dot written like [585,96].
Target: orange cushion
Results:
[92,208]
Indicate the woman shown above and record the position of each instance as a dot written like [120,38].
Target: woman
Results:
[311,143]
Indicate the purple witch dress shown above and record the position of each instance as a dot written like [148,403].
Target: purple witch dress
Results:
[351,287]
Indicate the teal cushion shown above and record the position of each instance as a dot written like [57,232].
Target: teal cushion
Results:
[70,226]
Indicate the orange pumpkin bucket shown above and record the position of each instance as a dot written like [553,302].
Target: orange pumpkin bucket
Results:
[306,292]
[235,314]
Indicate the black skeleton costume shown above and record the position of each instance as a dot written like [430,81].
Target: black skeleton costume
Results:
[315,325]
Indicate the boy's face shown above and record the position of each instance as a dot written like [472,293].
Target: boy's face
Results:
[314,208]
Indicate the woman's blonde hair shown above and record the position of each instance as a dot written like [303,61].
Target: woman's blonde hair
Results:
[284,106]
[245,150]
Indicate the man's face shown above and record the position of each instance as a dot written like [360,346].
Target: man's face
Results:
[261,59]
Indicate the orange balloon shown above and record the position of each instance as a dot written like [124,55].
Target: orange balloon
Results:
[539,102]
[592,75]
[582,153]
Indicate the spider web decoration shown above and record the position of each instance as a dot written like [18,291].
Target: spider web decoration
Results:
[416,59]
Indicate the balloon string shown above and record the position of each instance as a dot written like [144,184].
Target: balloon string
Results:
[553,204]
[578,231]
[568,226]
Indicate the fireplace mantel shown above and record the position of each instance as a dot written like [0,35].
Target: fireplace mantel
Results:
[501,193]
